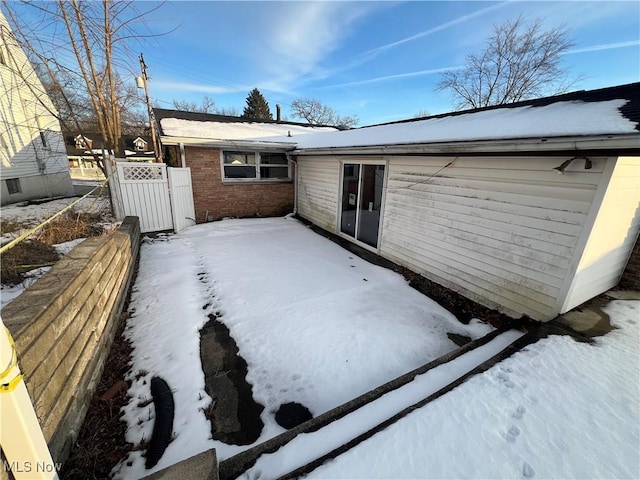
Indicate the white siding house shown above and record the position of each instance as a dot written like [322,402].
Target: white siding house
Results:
[475,200]
[33,161]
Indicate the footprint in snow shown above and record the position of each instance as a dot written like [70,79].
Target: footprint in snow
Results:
[527,471]
[505,379]
[512,434]
[519,412]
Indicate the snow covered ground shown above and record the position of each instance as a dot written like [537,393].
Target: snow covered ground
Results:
[31,215]
[316,324]
[559,409]
[319,326]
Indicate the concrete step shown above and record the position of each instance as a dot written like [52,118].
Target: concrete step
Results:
[353,422]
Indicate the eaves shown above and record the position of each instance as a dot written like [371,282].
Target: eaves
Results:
[619,144]
[226,143]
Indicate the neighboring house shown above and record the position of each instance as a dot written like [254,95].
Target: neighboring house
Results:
[33,163]
[531,208]
[83,147]
[236,170]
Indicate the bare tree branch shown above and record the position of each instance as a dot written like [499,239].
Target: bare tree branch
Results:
[92,43]
[519,61]
[316,113]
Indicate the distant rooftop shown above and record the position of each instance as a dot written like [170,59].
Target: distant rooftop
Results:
[176,123]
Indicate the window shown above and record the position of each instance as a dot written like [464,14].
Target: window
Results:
[255,165]
[83,142]
[13,186]
[140,145]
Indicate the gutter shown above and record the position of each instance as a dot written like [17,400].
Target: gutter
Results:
[227,143]
[627,144]
[295,183]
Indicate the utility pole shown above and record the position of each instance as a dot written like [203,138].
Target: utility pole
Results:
[144,80]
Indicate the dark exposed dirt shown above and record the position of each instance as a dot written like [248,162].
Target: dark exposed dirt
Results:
[101,444]
[101,441]
[38,251]
[292,414]
[25,256]
[463,308]
[234,415]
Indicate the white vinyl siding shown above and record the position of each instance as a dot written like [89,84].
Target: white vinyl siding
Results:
[501,231]
[614,233]
[318,190]
[27,117]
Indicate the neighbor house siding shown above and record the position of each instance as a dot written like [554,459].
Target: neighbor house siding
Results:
[318,190]
[613,236]
[501,231]
[219,200]
[27,117]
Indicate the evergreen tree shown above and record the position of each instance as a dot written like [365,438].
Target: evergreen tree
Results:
[257,106]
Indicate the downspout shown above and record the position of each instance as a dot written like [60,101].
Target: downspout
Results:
[295,183]
[183,160]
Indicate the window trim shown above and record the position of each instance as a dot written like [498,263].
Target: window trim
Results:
[83,143]
[43,139]
[16,187]
[140,144]
[258,165]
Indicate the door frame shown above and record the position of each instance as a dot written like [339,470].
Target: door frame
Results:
[362,161]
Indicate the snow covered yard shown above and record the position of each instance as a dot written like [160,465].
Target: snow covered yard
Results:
[558,409]
[316,324]
[319,326]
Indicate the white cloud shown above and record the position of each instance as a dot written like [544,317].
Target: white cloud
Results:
[604,46]
[437,28]
[396,76]
[303,35]
[374,52]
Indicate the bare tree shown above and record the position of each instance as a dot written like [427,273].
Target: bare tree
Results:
[316,113]
[520,61]
[422,113]
[206,105]
[229,111]
[91,44]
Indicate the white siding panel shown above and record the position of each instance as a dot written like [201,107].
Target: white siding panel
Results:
[26,112]
[502,231]
[612,237]
[318,190]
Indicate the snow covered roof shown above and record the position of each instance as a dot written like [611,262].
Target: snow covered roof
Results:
[174,123]
[611,111]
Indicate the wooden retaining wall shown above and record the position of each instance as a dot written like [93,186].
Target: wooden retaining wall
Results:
[63,326]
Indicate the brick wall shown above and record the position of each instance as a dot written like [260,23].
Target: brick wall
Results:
[246,199]
[63,326]
[631,276]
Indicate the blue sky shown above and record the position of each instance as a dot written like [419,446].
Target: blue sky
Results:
[377,60]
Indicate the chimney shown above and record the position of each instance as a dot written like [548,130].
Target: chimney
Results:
[277,112]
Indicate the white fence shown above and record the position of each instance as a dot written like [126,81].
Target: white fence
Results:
[159,196]
[182,209]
